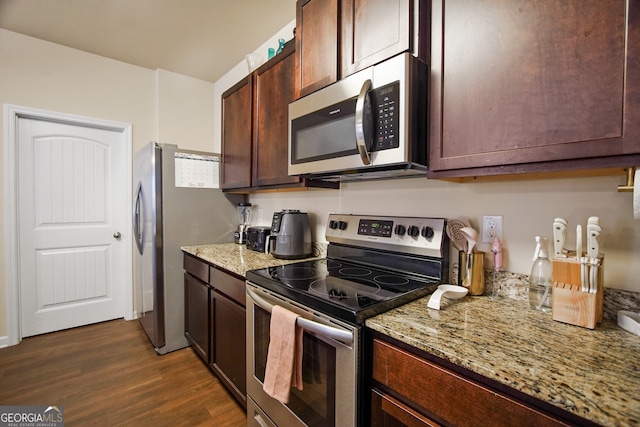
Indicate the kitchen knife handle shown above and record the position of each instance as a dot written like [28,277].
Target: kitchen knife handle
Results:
[593,280]
[584,273]
[559,237]
[593,236]
[578,242]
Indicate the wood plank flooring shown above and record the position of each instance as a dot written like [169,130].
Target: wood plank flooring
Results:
[108,374]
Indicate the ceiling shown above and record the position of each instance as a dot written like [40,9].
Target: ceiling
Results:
[198,38]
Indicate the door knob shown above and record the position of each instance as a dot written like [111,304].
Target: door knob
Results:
[117,235]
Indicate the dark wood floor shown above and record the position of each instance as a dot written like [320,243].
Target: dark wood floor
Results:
[109,375]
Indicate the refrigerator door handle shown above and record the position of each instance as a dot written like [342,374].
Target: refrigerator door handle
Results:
[138,231]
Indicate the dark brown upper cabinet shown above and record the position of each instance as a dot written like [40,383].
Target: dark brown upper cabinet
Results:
[374,30]
[317,31]
[237,130]
[520,87]
[337,38]
[255,129]
[274,90]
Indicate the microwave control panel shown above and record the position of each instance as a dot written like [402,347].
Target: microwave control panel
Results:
[385,102]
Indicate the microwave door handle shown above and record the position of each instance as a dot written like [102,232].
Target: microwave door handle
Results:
[361,141]
[309,325]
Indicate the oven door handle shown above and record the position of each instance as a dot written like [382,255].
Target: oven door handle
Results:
[309,325]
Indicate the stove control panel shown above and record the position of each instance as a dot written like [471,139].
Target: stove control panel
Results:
[414,235]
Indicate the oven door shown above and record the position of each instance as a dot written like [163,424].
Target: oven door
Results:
[330,376]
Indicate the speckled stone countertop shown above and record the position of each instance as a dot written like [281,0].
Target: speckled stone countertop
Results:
[592,373]
[237,258]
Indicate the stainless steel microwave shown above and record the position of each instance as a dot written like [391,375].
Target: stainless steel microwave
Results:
[372,124]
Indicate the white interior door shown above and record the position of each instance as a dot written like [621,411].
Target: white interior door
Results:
[72,198]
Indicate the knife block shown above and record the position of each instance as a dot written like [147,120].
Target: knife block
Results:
[569,303]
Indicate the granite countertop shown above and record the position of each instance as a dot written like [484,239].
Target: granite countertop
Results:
[237,258]
[592,373]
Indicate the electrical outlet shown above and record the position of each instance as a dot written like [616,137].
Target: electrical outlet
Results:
[260,214]
[491,228]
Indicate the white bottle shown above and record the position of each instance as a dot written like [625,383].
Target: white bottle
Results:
[540,279]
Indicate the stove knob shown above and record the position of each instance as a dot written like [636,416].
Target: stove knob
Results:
[342,225]
[400,229]
[333,224]
[413,231]
[427,232]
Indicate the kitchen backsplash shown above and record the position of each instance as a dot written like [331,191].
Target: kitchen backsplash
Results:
[515,286]
[528,209]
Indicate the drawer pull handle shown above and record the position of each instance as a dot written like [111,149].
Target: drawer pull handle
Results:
[402,413]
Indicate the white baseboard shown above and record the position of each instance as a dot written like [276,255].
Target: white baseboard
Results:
[4,342]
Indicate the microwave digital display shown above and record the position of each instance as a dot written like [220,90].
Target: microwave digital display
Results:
[370,227]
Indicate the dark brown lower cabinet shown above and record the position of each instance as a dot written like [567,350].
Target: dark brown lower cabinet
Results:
[196,295]
[228,345]
[412,388]
[215,322]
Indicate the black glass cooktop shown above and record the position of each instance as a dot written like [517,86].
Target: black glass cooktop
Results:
[350,292]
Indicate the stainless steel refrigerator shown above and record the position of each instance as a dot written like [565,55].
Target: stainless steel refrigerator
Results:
[174,206]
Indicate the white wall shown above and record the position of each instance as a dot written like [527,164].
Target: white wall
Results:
[185,110]
[160,105]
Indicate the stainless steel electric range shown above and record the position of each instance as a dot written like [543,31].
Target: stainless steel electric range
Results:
[373,264]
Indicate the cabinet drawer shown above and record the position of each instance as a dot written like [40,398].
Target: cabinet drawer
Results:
[449,395]
[389,412]
[196,268]
[228,285]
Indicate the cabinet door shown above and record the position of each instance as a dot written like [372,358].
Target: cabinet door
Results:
[436,391]
[374,30]
[229,344]
[316,45]
[533,85]
[236,135]
[196,315]
[274,90]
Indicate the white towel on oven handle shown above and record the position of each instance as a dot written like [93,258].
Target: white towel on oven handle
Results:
[284,356]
